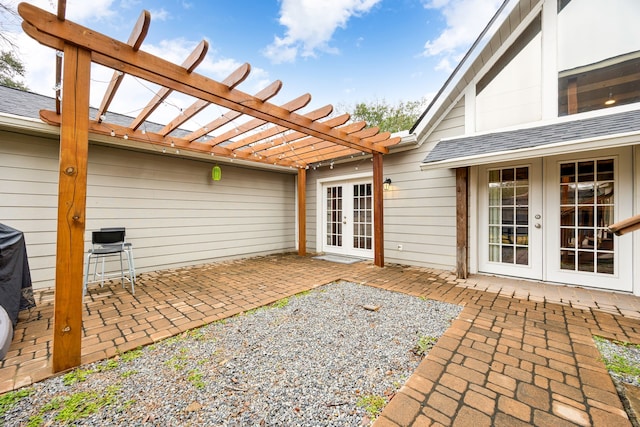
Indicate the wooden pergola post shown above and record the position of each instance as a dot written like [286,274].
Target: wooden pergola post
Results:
[302,211]
[378,214]
[72,194]
[462,215]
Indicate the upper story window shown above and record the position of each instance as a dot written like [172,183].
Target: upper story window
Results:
[598,54]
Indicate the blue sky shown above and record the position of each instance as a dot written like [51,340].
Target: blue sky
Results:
[340,51]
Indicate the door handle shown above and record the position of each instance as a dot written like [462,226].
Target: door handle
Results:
[538,225]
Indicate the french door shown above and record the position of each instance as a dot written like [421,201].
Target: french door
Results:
[510,214]
[348,218]
[549,220]
[588,195]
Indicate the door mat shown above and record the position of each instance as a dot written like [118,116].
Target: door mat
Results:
[339,259]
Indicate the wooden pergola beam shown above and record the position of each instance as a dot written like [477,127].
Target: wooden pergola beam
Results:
[233,80]
[106,51]
[266,93]
[293,105]
[282,144]
[261,139]
[189,64]
[136,38]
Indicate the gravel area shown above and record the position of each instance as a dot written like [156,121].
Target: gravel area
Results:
[313,361]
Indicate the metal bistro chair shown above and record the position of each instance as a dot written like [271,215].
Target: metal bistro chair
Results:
[107,244]
[128,249]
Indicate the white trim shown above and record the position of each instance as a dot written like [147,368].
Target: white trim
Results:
[470,109]
[586,144]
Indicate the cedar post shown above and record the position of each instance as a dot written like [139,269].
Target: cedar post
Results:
[302,211]
[378,217]
[462,215]
[72,192]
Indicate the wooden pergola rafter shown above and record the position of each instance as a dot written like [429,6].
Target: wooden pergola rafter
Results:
[251,128]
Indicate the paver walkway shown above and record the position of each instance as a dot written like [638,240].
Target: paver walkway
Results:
[520,353]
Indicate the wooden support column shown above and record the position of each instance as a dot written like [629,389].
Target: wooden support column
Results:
[378,214]
[302,211]
[462,215]
[72,193]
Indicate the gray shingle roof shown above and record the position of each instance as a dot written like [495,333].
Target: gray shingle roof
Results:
[29,104]
[514,140]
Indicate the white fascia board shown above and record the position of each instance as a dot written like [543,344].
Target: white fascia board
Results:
[610,141]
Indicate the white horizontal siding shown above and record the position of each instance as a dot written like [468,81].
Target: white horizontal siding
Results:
[174,213]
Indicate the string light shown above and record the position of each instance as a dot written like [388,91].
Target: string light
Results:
[113,132]
[125,136]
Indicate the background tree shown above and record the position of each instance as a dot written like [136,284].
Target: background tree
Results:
[11,67]
[389,118]
[11,70]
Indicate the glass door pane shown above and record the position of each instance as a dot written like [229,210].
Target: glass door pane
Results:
[508,203]
[334,216]
[362,216]
[586,210]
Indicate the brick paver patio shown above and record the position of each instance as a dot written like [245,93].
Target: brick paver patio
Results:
[520,353]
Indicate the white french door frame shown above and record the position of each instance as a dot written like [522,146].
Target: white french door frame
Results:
[535,224]
[622,277]
[321,184]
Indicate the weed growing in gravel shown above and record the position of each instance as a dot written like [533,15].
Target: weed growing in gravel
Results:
[8,400]
[281,303]
[195,378]
[128,374]
[70,409]
[179,361]
[618,364]
[76,376]
[130,355]
[372,404]
[424,344]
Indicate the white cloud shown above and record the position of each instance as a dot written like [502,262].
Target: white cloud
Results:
[464,19]
[160,15]
[310,25]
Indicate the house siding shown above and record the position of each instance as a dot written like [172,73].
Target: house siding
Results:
[419,210]
[174,213]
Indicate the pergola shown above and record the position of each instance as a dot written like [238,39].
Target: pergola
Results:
[273,134]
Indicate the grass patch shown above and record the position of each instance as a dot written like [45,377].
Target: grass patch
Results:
[372,404]
[618,364]
[80,375]
[280,303]
[179,361]
[128,374]
[8,400]
[130,355]
[72,408]
[195,378]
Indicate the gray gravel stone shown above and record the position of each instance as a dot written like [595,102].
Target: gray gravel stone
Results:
[306,363]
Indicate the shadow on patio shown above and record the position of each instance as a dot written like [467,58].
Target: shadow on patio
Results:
[520,352]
